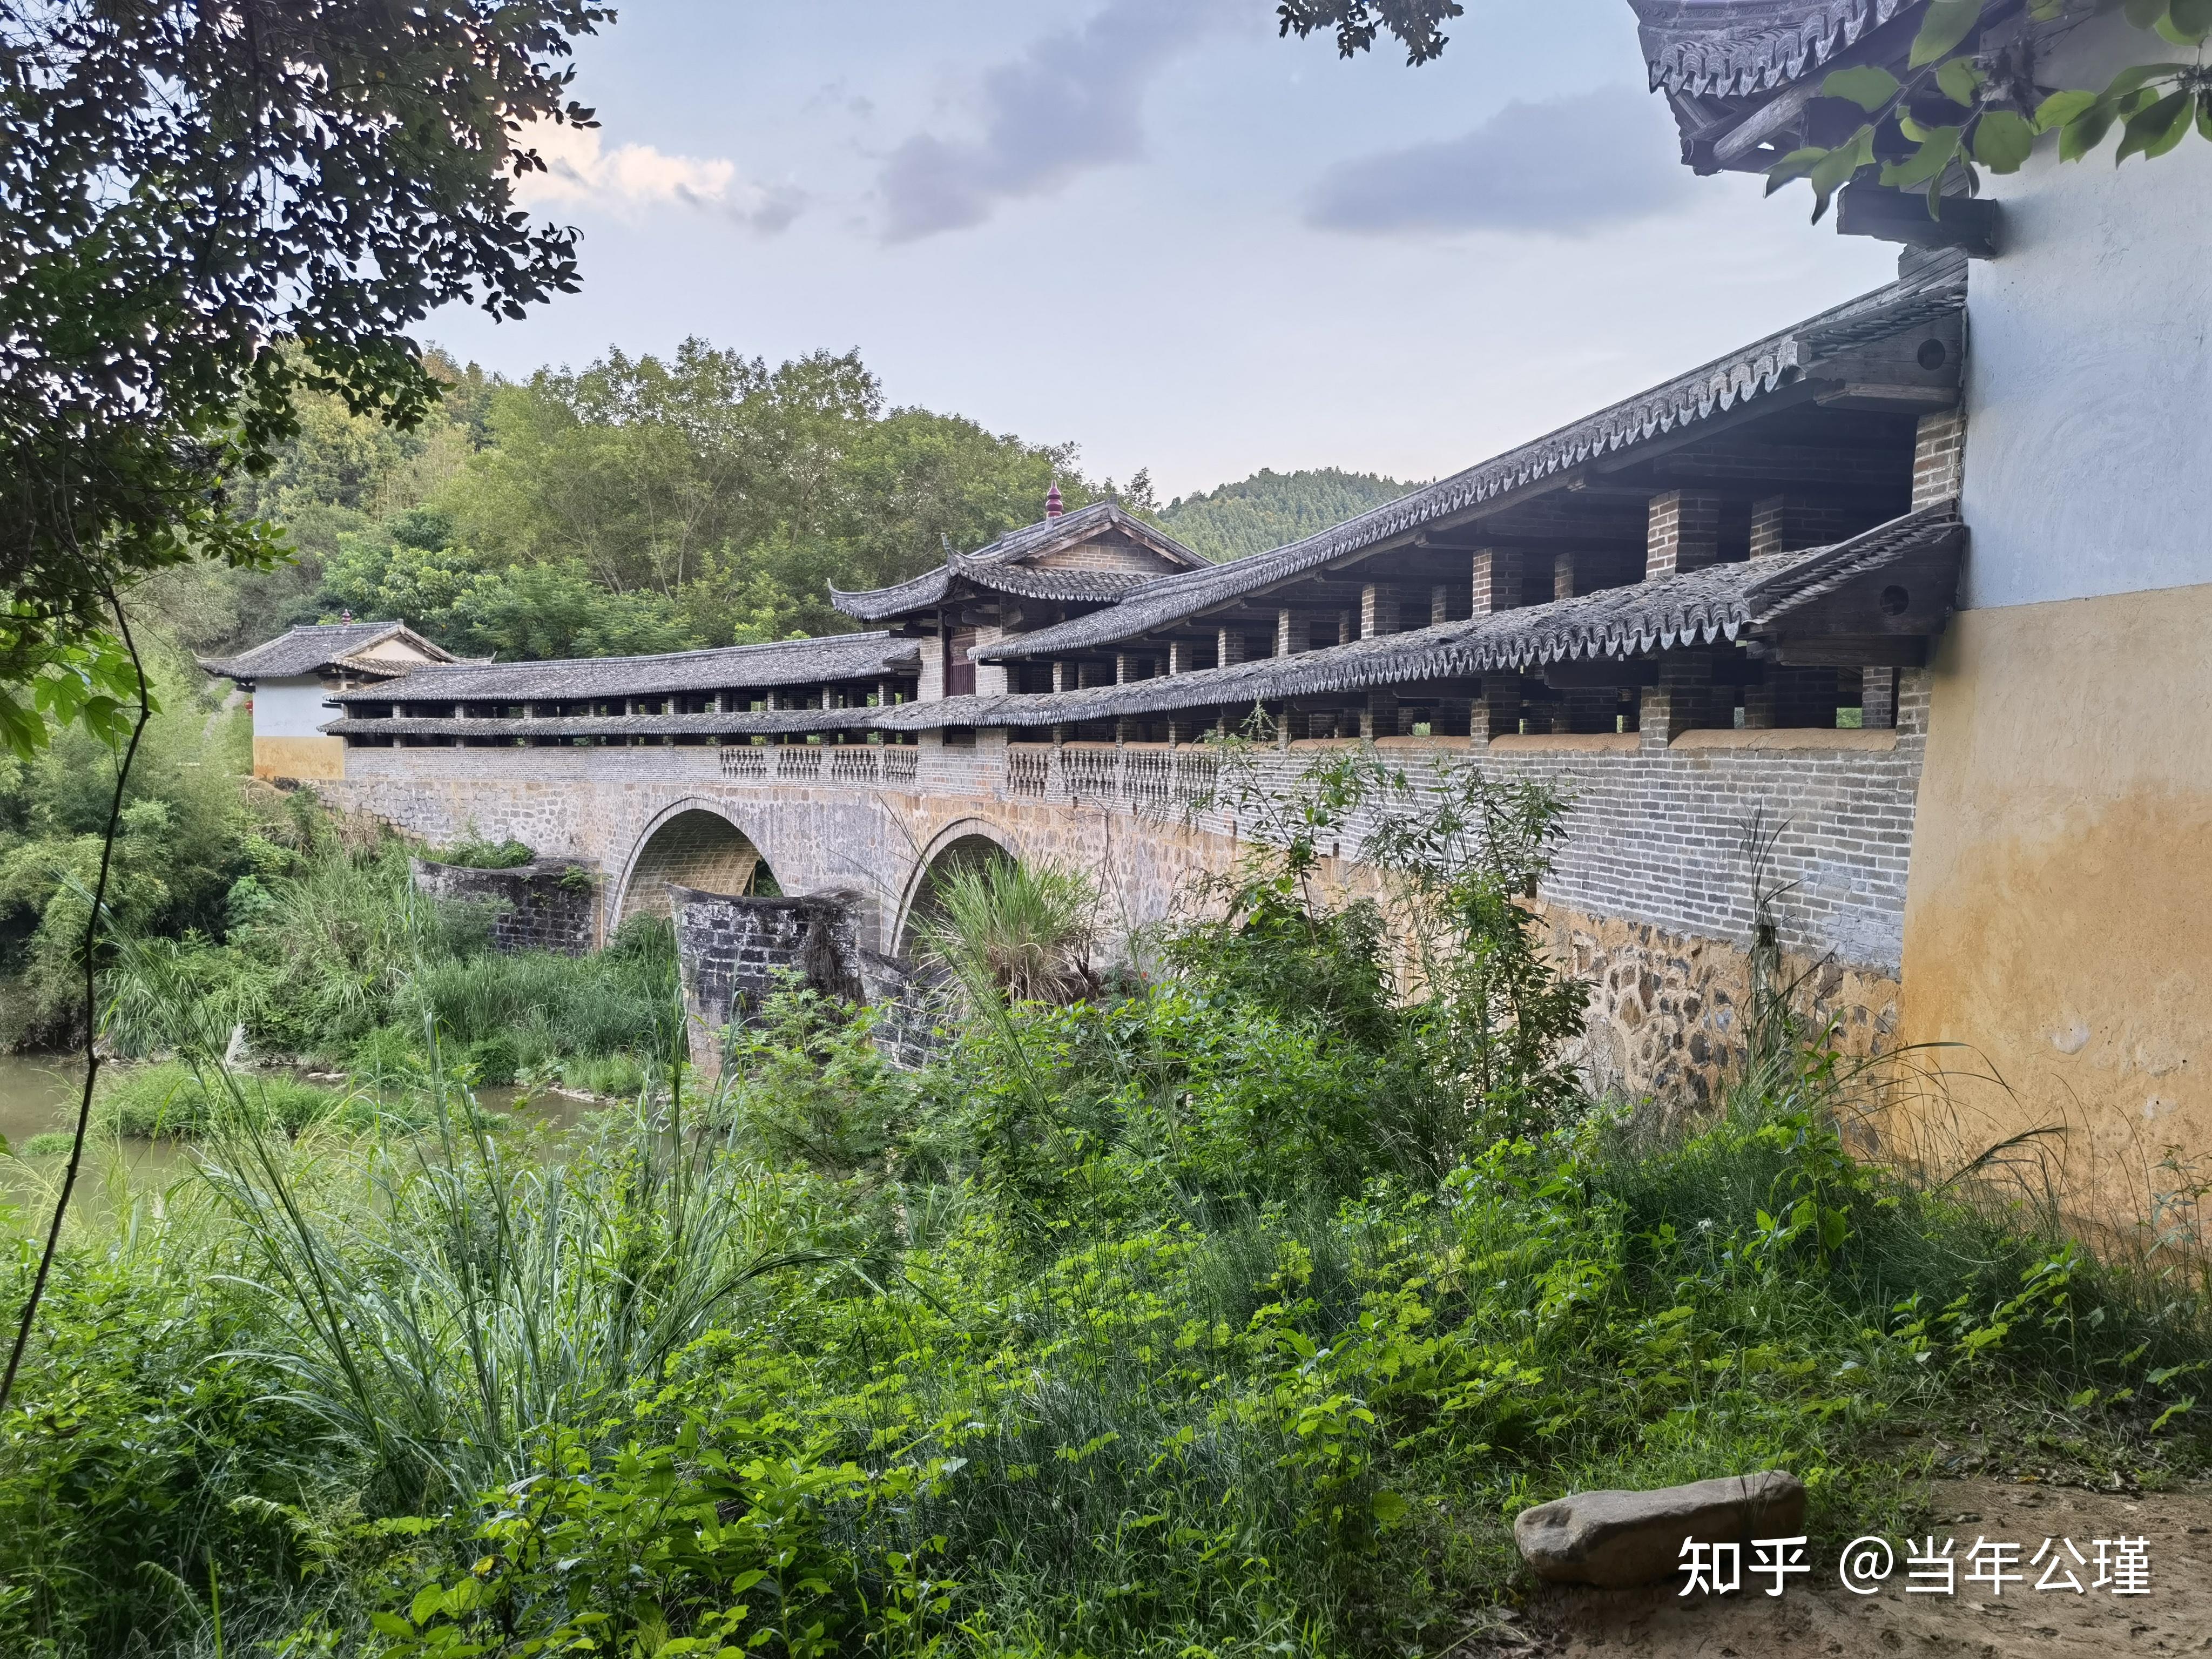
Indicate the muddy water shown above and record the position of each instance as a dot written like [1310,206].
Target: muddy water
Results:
[38,1093]
[39,1096]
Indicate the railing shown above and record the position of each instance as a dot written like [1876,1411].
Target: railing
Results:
[1029,769]
[1091,774]
[1140,778]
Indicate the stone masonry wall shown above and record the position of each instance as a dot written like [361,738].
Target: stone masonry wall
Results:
[552,905]
[735,952]
[1650,898]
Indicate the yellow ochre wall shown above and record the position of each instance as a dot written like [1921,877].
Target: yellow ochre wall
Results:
[2058,915]
[311,760]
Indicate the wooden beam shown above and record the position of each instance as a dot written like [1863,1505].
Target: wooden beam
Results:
[1867,208]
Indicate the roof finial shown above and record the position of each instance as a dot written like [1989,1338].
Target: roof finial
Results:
[1053,509]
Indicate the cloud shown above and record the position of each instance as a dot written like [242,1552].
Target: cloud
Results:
[580,172]
[1567,165]
[1067,104]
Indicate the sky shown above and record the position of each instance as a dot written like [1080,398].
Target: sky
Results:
[1154,228]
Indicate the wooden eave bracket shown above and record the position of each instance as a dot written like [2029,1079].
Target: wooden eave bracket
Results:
[1971,223]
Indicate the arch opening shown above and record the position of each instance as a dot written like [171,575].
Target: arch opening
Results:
[699,849]
[969,852]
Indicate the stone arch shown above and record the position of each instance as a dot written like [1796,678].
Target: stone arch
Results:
[692,844]
[959,846]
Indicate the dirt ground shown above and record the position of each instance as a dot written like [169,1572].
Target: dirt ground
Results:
[1817,1617]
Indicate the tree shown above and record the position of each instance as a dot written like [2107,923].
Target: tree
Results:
[1961,108]
[207,206]
[1272,509]
[1958,109]
[1416,23]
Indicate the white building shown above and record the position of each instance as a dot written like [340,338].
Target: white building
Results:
[288,681]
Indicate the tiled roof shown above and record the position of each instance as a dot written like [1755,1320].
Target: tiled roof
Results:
[1724,601]
[1698,607]
[303,650]
[1737,48]
[786,662]
[1757,370]
[997,566]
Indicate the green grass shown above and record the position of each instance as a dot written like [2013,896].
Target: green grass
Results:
[1227,1315]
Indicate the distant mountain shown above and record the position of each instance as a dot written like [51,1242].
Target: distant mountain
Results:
[1270,508]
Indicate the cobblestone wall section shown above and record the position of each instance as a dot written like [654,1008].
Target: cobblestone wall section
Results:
[552,905]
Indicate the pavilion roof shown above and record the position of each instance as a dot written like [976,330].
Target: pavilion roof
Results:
[1003,566]
[315,645]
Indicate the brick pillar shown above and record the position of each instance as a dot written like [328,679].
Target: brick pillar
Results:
[1497,712]
[1347,627]
[1228,648]
[1939,458]
[1789,524]
[1451,717]
[1182,656]
[1380,718]
[1127,729]
[1126,664]
[1563,576]
[1294,633]
[1497,580]
[1878,698]
[1680,702]
[1685,532]
[1378,609]
[1290,725]
[1063,675]
[1181,728]
[1439,604]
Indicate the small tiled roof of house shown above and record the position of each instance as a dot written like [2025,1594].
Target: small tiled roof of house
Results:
[311,646]
[1003,566]
[1738,48]
[1699,607]
[1755,371]
[785,662]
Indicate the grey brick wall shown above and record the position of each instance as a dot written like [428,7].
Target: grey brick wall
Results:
[552,905]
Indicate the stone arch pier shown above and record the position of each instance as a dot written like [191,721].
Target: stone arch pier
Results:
[694,844]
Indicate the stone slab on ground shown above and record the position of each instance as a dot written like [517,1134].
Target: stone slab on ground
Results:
[1617,1539]
[1816,1619]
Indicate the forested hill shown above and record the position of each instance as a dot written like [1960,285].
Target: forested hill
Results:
[642,504]
[1270,509]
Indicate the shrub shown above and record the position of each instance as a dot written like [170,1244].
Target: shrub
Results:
[176,1101]
[473,853]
